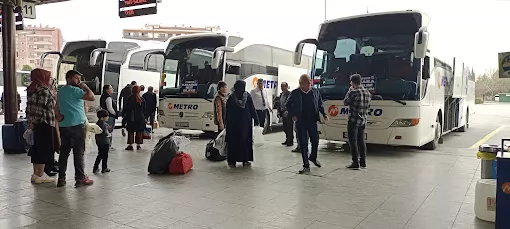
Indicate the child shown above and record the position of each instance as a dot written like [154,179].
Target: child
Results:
[103,142]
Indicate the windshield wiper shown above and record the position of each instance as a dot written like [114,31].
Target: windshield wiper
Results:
[396,100]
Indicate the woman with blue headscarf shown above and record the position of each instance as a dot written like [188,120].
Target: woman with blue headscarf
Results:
[240,116]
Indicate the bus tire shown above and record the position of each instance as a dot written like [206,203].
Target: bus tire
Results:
[432,145]
[466,126]
[267,123]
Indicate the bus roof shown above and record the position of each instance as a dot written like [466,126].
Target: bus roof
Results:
[372,14]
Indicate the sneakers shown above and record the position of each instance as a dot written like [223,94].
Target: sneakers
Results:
[353,166]
[42,179]
[95,170]
[61,183]
[304,170]
[130,148]
[107,170]
[84,182]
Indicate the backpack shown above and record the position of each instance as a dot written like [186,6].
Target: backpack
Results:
[212,153]
[181,164]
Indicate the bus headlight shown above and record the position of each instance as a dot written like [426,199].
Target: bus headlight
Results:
[161,112]
[405,122]
[208,115]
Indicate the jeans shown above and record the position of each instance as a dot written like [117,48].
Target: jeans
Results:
[357,144]
[308,130]
[288,128]
[111,123]
[150,118]
[262,117]
[102,156]
[72,137]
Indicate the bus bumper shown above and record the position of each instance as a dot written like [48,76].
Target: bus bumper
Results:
[203,124]
[398,136]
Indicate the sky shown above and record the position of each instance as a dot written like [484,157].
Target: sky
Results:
[471,30]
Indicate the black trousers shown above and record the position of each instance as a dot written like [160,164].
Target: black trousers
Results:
[262,117]
[357,143]
[288,128]
[102,156]
[72,138]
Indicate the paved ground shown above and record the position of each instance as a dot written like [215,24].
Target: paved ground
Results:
[403,188]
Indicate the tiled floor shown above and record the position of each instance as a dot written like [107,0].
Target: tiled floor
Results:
[403,188]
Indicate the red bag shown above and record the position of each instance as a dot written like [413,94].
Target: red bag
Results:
[181,164]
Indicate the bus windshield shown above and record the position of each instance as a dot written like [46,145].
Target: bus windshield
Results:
[187,69]
[380,51]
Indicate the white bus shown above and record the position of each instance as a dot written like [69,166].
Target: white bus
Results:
[416,97]
[194,64]
[22,82]
[109,62]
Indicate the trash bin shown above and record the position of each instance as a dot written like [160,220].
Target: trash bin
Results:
[488,155]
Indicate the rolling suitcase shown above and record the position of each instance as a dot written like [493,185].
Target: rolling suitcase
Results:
[12,137]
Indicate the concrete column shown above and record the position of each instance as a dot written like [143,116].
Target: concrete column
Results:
[9,55]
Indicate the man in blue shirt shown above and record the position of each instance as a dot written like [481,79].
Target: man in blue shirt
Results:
[70,99]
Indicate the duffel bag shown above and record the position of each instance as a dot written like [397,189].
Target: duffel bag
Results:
[181,164]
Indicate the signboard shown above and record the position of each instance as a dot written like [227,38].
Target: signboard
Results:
[189,87]
[504,64]
[133,8]
[368,82]
[19,21]
[28,10]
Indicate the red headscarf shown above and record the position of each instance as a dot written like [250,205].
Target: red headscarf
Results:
[135,91]
[40,78]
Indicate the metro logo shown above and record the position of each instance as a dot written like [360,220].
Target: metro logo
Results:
[371,112]
[184,106]
[506,187]
[333,110]
[170,106]
[267,83]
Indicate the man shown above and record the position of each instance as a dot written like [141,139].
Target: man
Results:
[358,99]
[288,124]
[150,105]
[259,96]
[142,90]
[305,107]
[124,95]
[70,99]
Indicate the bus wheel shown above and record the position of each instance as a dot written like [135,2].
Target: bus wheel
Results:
[466,126]
[432,145]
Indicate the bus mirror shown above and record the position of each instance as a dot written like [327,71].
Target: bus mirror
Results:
[218,54]
[44,55]
[421,41]
[94,55]
[149,55]
[426,68]
[298,52]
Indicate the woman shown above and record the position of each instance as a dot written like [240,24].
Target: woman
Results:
[240,116]
[106,102]
[220,101]
[135,119]
[42,123]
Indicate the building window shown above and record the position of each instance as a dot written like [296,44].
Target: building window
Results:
[161,35]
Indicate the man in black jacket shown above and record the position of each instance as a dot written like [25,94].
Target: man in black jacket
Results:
[124,95]
[305,107]
[150,105]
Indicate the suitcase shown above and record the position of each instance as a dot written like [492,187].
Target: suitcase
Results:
[12,137]
[181,164]
[213,154]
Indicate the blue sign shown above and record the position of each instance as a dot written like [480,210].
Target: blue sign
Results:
[186,106]
[270,84]
[371,112]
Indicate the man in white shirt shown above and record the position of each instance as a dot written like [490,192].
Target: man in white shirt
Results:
[259,96]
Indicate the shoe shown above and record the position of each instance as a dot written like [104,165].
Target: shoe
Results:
[32,179]
[289,144]
[112,149]
[296,150]
[43,179]
[304,170]
[84,182]
[123,132]
[129,148]
[138,147]
[316,163]
[51,174]
[353,166]
[107,170]
[232,165]
[95,170]
[284,143]
[363,165]
[246,164]
[61,182]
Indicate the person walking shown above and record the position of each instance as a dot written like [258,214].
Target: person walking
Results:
[305,107]
[240,117]
[151,105]
[124,95]
[135,118]
[70,100]
[103,142]
[41,124]
[106,103]
[288,124]
[358,99]
[259,96]
[220,106]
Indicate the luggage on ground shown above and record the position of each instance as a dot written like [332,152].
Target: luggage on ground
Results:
[163,153]
[12,137]
[181,164]
[216,149]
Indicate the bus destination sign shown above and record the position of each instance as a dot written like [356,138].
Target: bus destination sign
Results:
[133,8]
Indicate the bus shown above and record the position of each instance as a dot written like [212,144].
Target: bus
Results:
[416,97]
[194,64]
[22,82]
[108,62]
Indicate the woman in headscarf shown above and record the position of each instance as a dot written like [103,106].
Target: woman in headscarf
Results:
[241,116]
[135,118]
[106,102]
[42,123]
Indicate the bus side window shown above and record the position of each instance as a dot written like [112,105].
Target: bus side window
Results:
[232,69]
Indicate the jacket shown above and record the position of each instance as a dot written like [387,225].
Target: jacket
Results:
[294,104]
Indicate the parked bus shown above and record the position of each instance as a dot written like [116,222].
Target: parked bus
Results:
[194,64]
[416,97]
[109,62]
[22,82]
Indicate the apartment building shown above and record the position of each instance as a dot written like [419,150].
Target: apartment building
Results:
[162,33]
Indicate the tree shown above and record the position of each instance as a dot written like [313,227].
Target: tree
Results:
[26,68]
[489,84]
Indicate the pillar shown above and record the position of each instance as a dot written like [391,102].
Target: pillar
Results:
[9,57]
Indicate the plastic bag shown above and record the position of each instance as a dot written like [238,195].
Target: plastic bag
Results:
[258,138]
[180,141]
[220,144]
